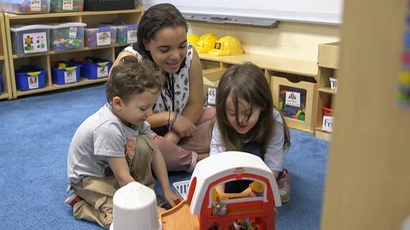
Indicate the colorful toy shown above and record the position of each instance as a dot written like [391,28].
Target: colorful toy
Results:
[67,36]
[125,33]
[203,208]
[30,39]
[25,6]
[100,36]
[226,46]
[61,6]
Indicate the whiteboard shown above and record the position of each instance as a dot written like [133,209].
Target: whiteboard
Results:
[313,11]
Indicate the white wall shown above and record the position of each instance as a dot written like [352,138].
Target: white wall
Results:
[290,39]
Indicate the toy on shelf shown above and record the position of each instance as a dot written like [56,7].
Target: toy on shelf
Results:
[206,43]
[61,6]
[93,68]
[30,77]
[67,36]
[292,102]
[226,46]
[193,39]
[65,73]
[203,208]
[25,6]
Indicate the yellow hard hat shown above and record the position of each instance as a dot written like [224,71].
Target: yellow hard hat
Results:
[206,43]
[227,45]
[193,38]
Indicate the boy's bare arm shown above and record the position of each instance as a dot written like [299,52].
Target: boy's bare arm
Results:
[120,169]
[160,169]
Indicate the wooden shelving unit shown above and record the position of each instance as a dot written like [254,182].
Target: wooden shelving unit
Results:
[4,63]
[43,60]
[306,73]
[328,61]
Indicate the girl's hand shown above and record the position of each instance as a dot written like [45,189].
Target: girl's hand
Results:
[171,197]
[183,126]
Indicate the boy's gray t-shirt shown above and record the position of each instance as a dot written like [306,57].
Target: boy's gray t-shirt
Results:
[100,136]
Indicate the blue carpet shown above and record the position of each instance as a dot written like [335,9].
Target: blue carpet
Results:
[35,133]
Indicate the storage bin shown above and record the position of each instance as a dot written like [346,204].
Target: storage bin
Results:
[295,100]
[103,5]
[1,84]
[67,36]
[30,77]
[61,6]
[29,39]
[65,73]
[99,36]
[94,68]
[25,6]
[125,33]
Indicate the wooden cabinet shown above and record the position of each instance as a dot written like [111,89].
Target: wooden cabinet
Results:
[4,63]
[43,59]
[328,62]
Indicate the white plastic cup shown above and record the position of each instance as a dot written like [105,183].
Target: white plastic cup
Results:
[135,208]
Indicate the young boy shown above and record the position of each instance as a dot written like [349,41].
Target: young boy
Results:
[113,146]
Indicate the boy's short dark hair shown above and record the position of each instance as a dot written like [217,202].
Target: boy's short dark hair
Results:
[132,77]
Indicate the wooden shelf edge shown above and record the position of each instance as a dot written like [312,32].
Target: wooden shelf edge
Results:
[4,96]
[2,58]
[321,134]
[11,16]
[54,87]
[326,90]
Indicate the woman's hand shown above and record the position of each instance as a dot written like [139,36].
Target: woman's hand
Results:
[171,197]
[183,126]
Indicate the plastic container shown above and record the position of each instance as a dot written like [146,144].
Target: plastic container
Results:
[65,73]
[182,188]
[104,5]
[67,36]
[99,36]
[61,6]
[1,84]
[29,39]
[94,68]
[30,77]
[125,33]
[25,6]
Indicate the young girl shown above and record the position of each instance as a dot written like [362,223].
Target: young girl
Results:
[180,123]
[247,121]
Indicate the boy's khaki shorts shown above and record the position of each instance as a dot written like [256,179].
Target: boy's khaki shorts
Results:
[97,193]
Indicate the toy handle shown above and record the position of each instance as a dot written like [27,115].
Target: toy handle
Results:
[33,74]
[120,21]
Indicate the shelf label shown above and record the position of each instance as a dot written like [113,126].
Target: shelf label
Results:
[32,82]
[102,71]
[132,36]
[327,124]
[292,98]
[35,5]
[103,38]
[211,96]
[67,4]
[70,76]
[35,42]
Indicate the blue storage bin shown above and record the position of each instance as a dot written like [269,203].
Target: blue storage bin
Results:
[1,84]
[30,77]
[94,68]
[67,73]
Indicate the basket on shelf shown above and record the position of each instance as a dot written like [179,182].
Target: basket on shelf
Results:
[107,5]
[182,188]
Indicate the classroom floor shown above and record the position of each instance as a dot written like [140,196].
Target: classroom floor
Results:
[35,133]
